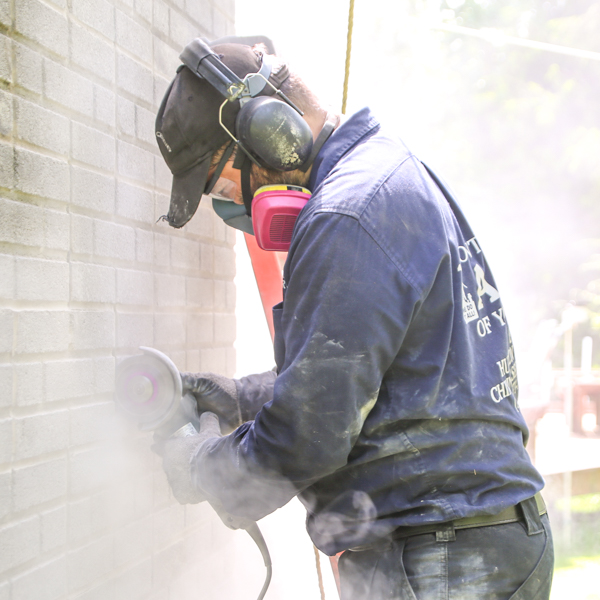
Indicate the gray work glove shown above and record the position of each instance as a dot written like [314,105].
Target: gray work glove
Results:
[216,394]
[178,454]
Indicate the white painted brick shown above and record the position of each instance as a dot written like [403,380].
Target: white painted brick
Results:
[90,563]
[133,541]
[56,230]
[29,383]
[5,16]
[89,470]
[160,18]
[134,78]
[144,9]
[5,59]
[42,280]
[92,53]
[92,190]
[207,263]
[135,583]
[6,385]
[31,225]
[220,294]
[224,329]
[67,379]
[92,283]
[29,68]
[41,434]
[185,254]
[169,290]
[104,105]
[135,203]
[200,11]
[169,329]
[54,528]
[6,440]
[163,177]
[135,287]
[7,275]
[82,234]
[214,360]
[39,483]
[68,88]
[6,330]
[93,147]
[19,543]
[42,127]
[162,250]
[224,262]
[98,14]
[144,125]
[41,175]
[166,59]
[133,37]
[181,30]
[221,25]
[200,330]
[135,162]
[104,374]
[7,175]
[93,330]
[125,116]
[144,246]
[90,423]
[42,331]
[6,113]
[42,24]
[45,582]
[199,292]
[5,495]
[104,591]
[80,520]
[134,330]
[114,241]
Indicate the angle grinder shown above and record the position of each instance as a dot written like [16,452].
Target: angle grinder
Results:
[148,391]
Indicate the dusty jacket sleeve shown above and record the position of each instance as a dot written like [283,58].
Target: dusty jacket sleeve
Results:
[339,328]
[254,391]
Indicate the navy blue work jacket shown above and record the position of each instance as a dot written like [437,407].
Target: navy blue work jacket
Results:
[395,401]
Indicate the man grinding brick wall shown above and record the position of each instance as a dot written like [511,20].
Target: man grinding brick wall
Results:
[393,412]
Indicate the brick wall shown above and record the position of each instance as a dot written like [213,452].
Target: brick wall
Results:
[87,276]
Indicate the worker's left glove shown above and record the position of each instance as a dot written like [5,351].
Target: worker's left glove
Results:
[178,455]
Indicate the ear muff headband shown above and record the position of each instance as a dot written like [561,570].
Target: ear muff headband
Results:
[273,134]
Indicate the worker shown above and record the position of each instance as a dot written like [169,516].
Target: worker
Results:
[393,411]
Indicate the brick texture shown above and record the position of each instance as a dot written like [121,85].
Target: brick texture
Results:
[87,275]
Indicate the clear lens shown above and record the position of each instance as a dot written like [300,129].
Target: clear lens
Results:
[224,189]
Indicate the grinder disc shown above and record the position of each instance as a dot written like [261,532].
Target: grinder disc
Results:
[148,388]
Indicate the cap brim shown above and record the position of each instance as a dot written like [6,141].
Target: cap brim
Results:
[186,193]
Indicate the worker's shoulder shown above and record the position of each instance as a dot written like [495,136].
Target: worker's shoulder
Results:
[378,178]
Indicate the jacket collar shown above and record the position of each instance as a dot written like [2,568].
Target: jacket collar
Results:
[344,138]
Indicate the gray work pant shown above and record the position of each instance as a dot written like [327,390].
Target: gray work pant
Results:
[512,561]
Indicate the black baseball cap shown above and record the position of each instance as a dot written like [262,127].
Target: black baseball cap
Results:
[187,125]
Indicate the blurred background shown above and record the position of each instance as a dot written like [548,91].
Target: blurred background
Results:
[499,98]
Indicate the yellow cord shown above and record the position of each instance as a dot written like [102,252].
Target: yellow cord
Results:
[348,51]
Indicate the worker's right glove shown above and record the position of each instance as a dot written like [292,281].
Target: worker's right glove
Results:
[216,394]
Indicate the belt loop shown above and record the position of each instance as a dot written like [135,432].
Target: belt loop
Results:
[445,533]
[531,515]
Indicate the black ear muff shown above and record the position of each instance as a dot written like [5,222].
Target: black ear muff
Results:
[275,132]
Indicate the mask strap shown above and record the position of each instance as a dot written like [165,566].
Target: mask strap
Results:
[246,192]
[226,155]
